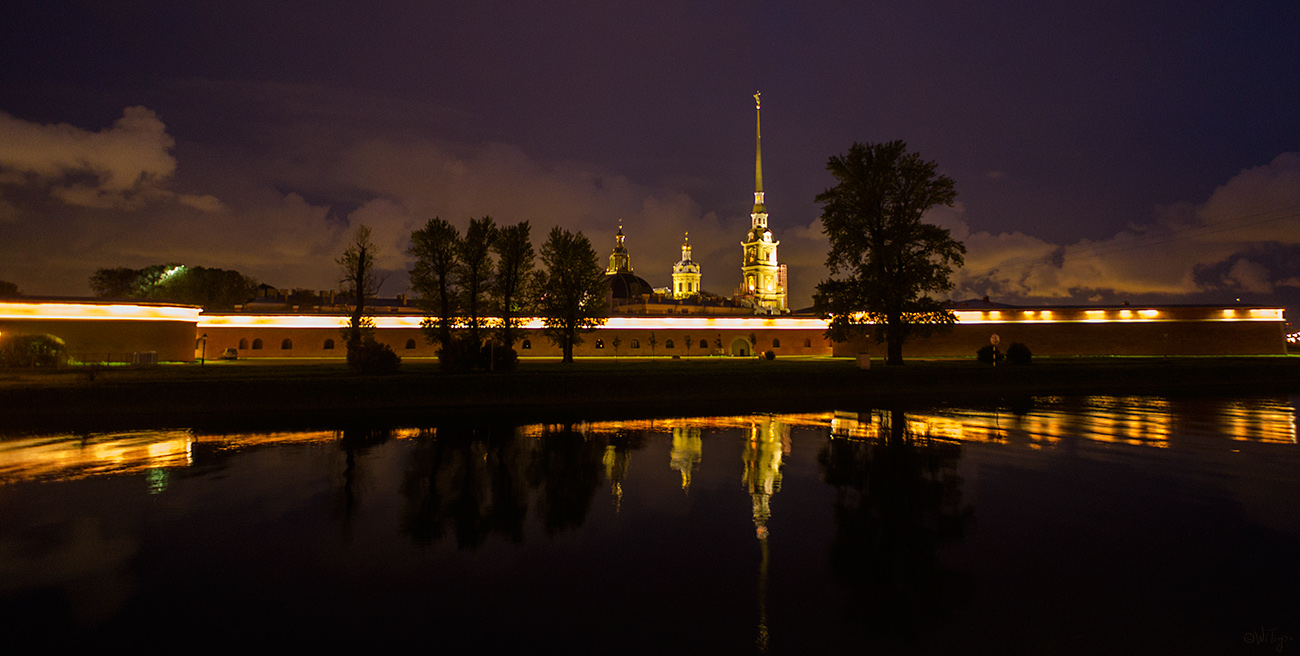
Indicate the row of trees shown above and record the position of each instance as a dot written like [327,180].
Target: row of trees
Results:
[477,288]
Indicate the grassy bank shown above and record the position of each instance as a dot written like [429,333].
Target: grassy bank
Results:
[326,390]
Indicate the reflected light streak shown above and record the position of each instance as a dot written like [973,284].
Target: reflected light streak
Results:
[70,457]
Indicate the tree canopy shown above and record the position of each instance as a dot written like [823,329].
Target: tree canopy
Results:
[884,261]
[435,248]
[512,289]
[572,289]
[213,289]
[474,272]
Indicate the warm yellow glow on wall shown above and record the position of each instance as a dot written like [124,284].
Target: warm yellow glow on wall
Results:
[333,321]
[724,323]
[98,311]
[1267,314]
[642,323]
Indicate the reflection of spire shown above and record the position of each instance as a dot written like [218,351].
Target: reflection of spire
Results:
[616,461]
[688,450]
[761,641]
[769,441]
[763,451]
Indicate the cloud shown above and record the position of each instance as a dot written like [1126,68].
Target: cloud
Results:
[1244,238]
[123,166]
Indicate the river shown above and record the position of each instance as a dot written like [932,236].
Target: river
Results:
[1050,525]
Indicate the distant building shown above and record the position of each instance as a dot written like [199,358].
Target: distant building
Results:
[762,276]
[686,273]
[624,286]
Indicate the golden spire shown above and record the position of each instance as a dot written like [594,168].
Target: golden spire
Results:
[759,206]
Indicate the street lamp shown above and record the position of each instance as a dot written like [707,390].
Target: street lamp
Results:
[203,355]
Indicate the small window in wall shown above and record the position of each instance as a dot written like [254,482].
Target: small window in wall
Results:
[257,344]
[704,343]
[600,343]
[668,343]
[807,343]
[636,343]
[286,344]
[410,344]
[776,343]
[528,344]
[329,345]
[243,344]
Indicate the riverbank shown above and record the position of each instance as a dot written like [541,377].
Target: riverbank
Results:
[325,390]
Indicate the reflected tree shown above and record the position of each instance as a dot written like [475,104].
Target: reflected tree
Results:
[567,472]
[471,481]
[898,502]
[355,441]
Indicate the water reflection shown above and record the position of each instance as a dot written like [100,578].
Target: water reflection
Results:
[777,527]
[898,502]
[1037,423]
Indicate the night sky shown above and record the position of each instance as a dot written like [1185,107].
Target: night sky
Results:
[1102,151]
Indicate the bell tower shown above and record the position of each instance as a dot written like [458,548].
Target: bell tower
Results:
[762,281]
[620,261]
[686,273]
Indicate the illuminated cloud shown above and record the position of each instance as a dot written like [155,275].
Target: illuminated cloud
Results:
[1245,238]
[123,166]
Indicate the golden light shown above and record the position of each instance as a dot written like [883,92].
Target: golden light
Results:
[99,311]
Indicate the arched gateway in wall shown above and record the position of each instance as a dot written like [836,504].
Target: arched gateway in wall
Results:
[741,347]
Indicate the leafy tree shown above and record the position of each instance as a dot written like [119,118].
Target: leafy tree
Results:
[435,248]
[572,289]
[118,282]
[511,293]
[474,272]
[883,260]
[213,289]
[8,289]
[653,342]
[359,280]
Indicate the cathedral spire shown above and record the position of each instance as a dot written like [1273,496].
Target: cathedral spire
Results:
[759,206]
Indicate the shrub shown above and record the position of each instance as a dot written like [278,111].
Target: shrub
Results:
[371,357]
[988,354]
[770,355]
[1018,353]
[32,351]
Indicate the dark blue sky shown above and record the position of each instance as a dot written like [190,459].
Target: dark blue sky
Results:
[1106,151]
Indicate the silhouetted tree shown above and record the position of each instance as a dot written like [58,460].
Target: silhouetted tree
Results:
[474,273]
[887,260]
[213,289]
[118,282]
[572,289]
[435,248]
[511,289]
[360,280]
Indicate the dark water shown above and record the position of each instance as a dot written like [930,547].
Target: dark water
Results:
[1071,526]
